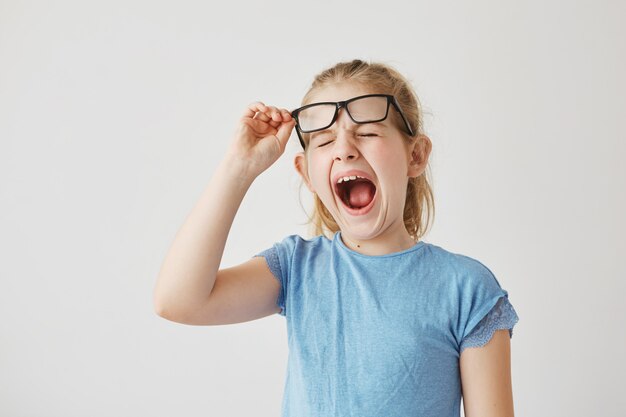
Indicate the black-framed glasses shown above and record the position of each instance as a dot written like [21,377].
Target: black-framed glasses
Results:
[368,108]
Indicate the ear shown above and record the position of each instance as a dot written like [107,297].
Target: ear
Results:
[419,152]
[301,166]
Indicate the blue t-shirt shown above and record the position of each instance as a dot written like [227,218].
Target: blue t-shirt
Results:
[380,335]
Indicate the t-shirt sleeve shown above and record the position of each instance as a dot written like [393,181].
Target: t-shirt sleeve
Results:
[501,316]
[485,307]
[279,259]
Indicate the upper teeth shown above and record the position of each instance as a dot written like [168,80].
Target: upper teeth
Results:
[352,177]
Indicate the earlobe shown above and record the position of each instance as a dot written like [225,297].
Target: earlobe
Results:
[300,164]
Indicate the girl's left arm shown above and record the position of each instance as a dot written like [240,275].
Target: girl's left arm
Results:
[486,378]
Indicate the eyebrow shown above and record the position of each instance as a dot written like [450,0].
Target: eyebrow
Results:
[381,124]
[358,126]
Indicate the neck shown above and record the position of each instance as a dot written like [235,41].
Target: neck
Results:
[383,244]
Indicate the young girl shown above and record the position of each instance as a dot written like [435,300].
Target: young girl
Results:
[379,322]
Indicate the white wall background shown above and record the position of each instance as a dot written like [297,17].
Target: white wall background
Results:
[114,114]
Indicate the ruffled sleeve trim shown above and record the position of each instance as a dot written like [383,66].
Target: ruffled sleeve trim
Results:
[501,316]
[273,262]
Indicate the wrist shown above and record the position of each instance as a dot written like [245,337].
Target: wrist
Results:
[236,169]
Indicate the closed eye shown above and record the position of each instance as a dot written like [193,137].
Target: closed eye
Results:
[358,134]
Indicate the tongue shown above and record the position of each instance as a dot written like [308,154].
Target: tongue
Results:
[361,194]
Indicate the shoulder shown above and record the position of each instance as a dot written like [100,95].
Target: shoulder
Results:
[297,246]
[293,251]
[296,240]
[464,270]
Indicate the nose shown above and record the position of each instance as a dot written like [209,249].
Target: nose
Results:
[344,148]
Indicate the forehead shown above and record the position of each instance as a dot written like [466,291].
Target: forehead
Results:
[339,92]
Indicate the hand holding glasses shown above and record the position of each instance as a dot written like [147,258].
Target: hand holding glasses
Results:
[261,137]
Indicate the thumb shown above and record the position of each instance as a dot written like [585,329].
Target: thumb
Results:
[284,133]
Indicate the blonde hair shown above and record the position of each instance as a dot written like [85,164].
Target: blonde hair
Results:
[381,78]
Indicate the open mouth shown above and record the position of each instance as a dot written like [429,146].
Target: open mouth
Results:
[357,195]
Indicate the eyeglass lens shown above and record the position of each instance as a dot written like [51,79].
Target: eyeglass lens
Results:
[367,109]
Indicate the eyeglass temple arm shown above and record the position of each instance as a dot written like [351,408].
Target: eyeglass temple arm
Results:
[406,122]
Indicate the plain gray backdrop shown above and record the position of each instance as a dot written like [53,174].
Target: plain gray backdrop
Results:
[114,115]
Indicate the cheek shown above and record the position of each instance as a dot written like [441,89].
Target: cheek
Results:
[386,160]
[392,170]
[319,173]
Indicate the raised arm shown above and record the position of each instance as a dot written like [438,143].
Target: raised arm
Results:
[190,268]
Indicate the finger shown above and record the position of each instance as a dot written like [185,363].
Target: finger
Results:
[268,115]
[274,123]
[275,113]
[259,127]
[284,132]
[253,108]
[258,110]
[261,116]
[286,115]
